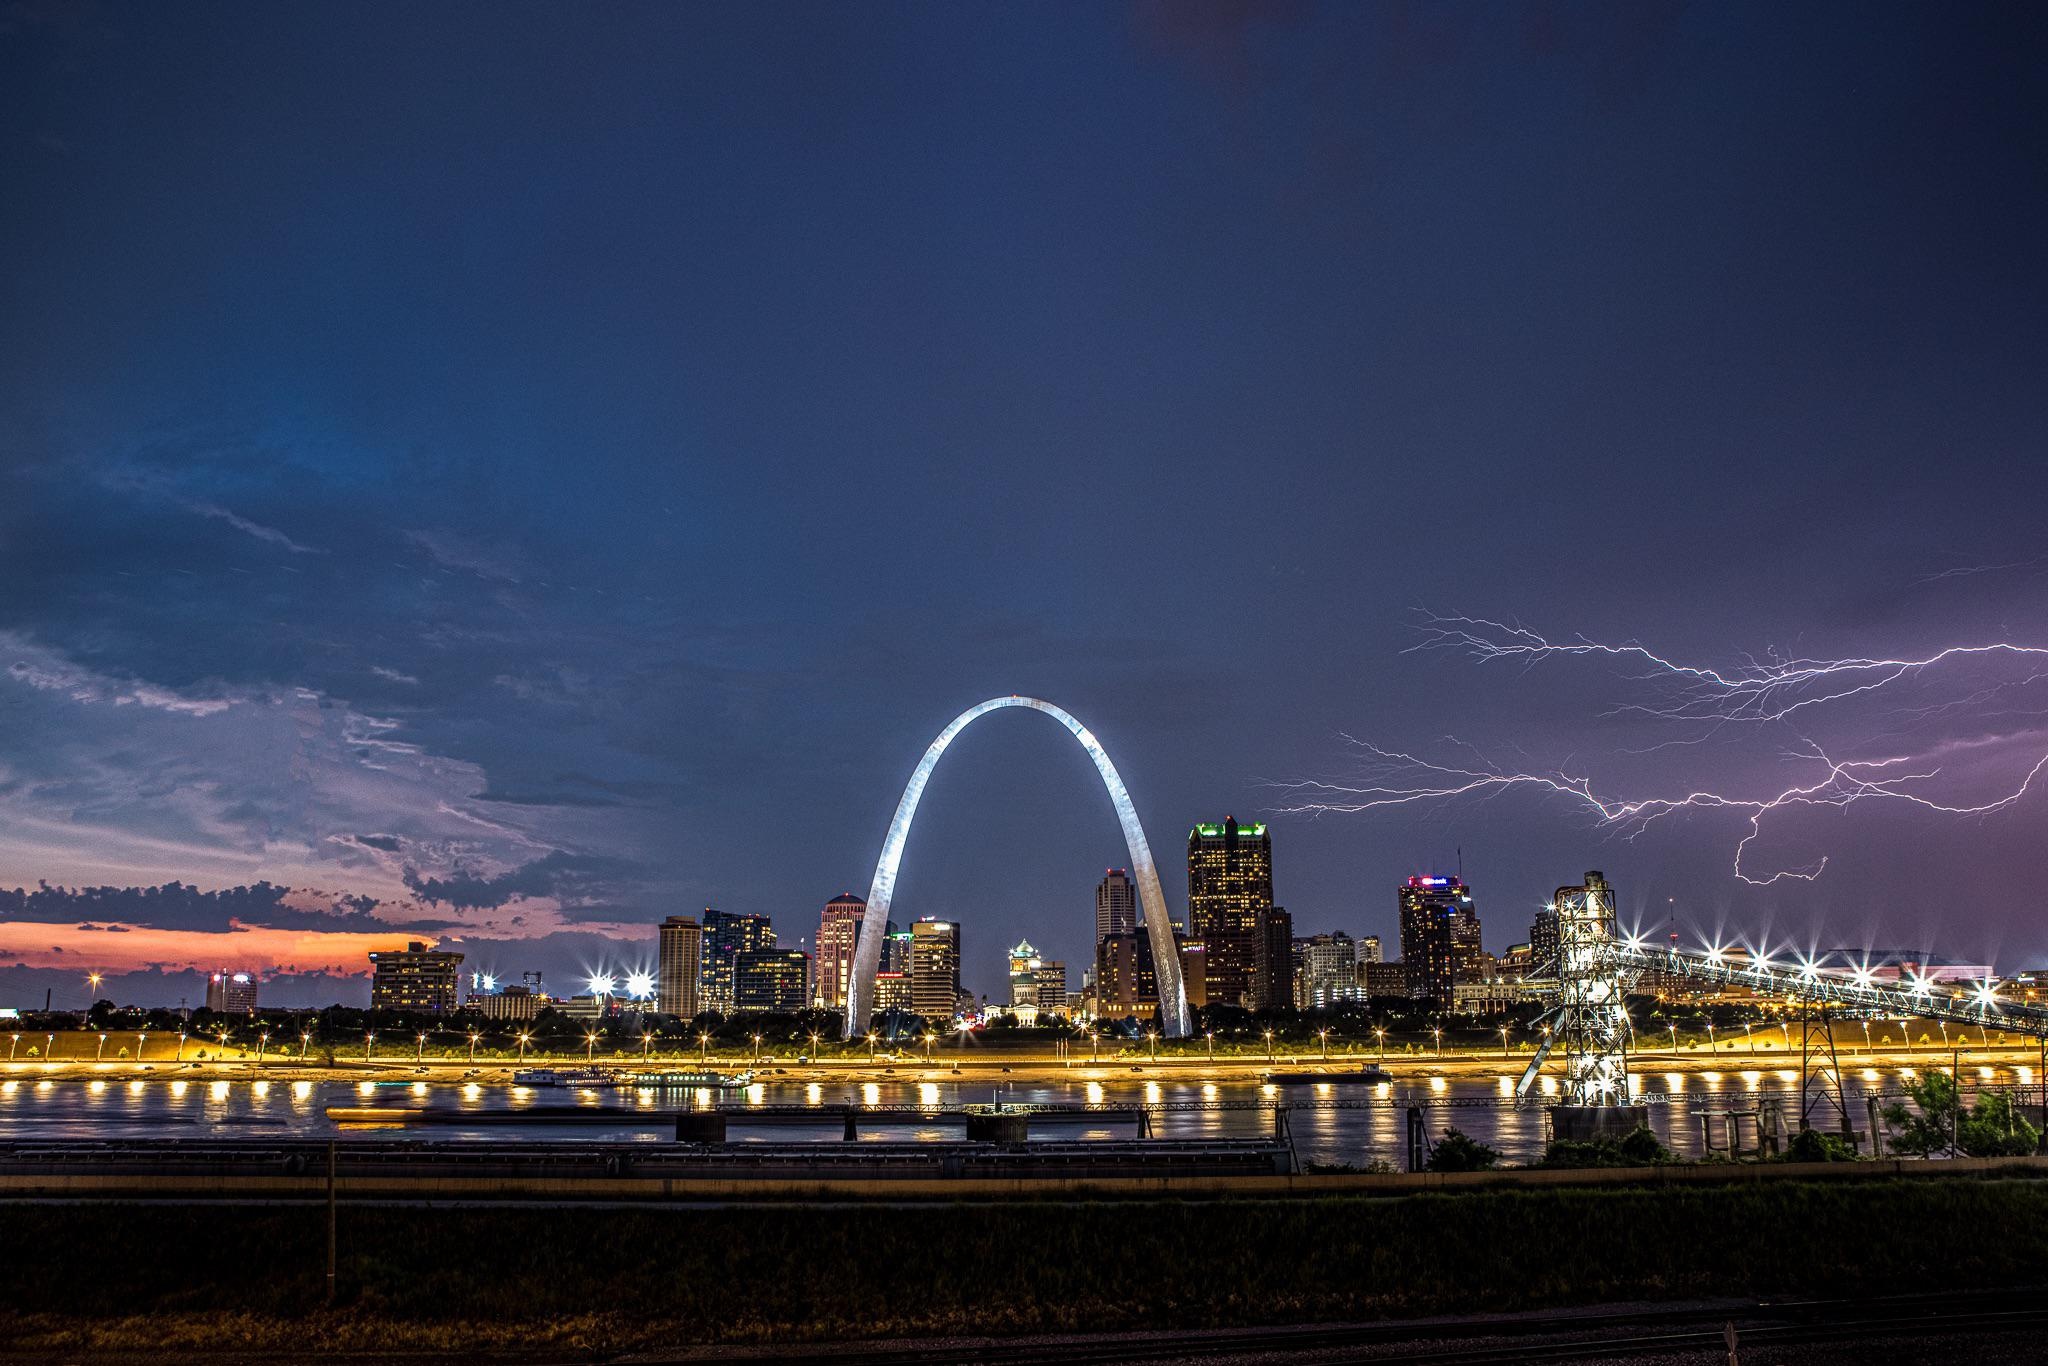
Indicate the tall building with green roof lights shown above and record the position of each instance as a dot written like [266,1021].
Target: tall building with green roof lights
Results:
[1230,901]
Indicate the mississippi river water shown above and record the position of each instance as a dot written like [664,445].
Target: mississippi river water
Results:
[1353,1124]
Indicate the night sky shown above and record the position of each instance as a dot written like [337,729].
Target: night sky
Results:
[510,473]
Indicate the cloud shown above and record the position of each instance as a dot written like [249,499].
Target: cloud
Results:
[256,529]
[558,875]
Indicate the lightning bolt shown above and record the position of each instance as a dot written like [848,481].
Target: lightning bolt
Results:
[1752,692]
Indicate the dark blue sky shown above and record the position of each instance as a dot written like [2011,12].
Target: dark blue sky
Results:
[544,468]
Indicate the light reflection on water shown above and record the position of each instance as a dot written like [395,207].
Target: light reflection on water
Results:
[1355,1124]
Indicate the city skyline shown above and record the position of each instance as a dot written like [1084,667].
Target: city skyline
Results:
[514,550]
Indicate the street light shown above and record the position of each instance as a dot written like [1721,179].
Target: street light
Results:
[100,1053]
[420,1054]
[1380,1033]
[1269,1045]
[92,980]
[472,1046]
[1324,1035]
[757,1048]
[1094,1045]
[1438,1030]
[181,1047]
[1866,1038]
[524,1040]
[141,1041]
[49,1046]
[305,1046]
[871,1045]
[224,1045]
[1503,1041]
[12,1045]
[814,1045]
[262,1042]
[369,1037]
[646,1046]
[703,1048]
[590,1047]
[1211,1036]
[1674,1037]
[1152,1041]
[1710,1035]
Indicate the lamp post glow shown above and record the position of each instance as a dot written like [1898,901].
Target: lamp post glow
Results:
[590,1047]
[1152,1041]
[703,1048]
[305,1046]
[757,1049]
[524,1039]
[92,981]
[1438,1030]
[1324,1035]
[1211,1035]
[1380,1033]
[871,1045]
[1674,1038]
[141,1042]
[13,1044]
[100,1053]
[1503,1041]
[369,1037]
[49,1047]
[472,1046]
[1269,1045]
[181,1047]
[420,1054]
[262,1042]
[646,1046]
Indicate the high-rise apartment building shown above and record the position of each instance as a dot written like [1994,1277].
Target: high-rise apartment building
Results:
[838,936]
[776,980]
[415,978]
[726,936]
[1116,905]
[1329,972]
[231,993]
[1369,949]
[679,967]
[1230,893]
[1439,936]
[934,968]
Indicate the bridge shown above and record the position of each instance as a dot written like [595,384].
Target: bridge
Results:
[1596,966]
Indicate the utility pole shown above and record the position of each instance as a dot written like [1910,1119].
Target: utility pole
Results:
[332,1151]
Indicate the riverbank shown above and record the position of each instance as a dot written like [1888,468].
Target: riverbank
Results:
[136,1277]
[986,1067]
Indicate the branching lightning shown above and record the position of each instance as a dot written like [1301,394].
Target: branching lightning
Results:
[1754,692]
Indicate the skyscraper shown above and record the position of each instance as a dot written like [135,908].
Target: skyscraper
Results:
[231,993]
[680,961]
[726,936]
[1329,972]
[1116,905]
[1273,961]
[1230,890]
[838,935]
[934,968]
[1543,941]
[1024,965]
[1439,932]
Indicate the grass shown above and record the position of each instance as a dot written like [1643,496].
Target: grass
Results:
[140,1276]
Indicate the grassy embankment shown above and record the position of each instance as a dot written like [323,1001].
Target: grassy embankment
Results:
[110,1277]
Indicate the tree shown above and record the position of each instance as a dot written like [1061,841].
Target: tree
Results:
[1993,1127]
[1455,1152]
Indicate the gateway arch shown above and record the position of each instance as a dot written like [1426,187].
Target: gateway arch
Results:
[867,955]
